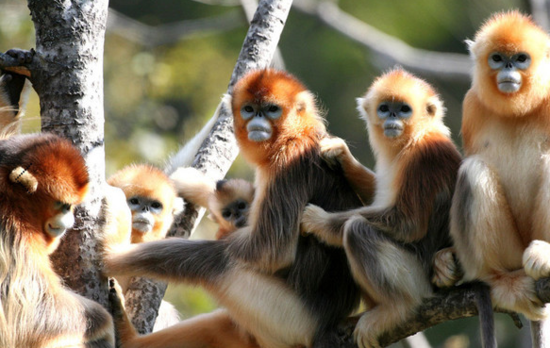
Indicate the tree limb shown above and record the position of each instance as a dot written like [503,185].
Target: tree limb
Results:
[218,151]
[390,49]
[152,36]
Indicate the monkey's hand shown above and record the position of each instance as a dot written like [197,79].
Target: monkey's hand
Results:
[326,226]
[447,271]
[314,219]
[193,185]
[334,151]
[535,259]
[115,220]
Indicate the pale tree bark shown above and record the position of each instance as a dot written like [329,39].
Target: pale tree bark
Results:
[67,74]
[218,151]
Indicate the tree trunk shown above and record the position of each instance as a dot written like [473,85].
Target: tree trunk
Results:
[218,151]
[67,74]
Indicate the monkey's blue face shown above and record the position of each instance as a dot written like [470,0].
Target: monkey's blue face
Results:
[509,78]
[393,113]
[259,119]
[144,210]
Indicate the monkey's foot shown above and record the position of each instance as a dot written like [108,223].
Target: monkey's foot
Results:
[516,291]
[332,150]
[447,271]
[365,335]
[536,260]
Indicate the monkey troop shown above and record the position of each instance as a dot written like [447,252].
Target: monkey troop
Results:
[42,177]
[283,288]
[500,221]
[227,200]
[391,242]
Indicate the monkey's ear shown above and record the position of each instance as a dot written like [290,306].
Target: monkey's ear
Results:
[21,176]
[305,101]
[434,107]
[361,108]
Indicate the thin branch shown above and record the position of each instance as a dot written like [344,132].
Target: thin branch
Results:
[218,151]
[152,36]
[389,48]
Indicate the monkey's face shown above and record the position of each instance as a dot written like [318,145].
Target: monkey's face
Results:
[258,118]
[508,69]
[512,70]
[60,220]
[393,114]
[236,213]
[145,213]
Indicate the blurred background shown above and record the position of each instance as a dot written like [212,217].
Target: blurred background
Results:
[168,62]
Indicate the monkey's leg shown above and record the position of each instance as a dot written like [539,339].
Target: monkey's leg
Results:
[487,241]
[391,276]
[99,324]
[263,305]
[535,258]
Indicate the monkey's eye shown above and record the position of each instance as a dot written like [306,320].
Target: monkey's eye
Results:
[496,60]
[273,111]
[522,60]
[247,111]
[156,205]
[133,201]
[241,206]
[62,207]
[405,108]
[226,214]
[383,110]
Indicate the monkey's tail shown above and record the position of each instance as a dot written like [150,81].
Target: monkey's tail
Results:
[482,297]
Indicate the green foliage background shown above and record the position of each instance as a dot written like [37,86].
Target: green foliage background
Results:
[158,96]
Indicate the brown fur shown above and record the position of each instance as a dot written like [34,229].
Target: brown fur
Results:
[390,243]
[500,205]
[36,310]
[283,288]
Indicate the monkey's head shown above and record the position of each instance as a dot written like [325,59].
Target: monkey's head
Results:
[230,205]
[151,197]
[512,64]
[271,108]
[42,178]
[397,107]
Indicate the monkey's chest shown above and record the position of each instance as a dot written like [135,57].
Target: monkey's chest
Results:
[517,160]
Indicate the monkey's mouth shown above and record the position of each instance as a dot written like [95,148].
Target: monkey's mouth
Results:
[258,133]
[55,231]
[393,130]
[142,225]
[509,86]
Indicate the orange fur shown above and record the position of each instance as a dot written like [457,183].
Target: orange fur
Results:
[277,87]
[414,180]
[501,202]
[147,181]
[36,310]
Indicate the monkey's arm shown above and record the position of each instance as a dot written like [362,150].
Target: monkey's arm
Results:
[425,187]
[270,239]
[193,185]
[362,179]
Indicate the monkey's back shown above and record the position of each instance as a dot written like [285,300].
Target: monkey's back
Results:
[320,273]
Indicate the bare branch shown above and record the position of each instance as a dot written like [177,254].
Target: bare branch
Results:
[390,49]
[152,36]
[218,151]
